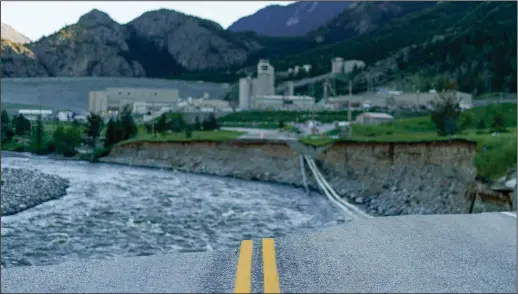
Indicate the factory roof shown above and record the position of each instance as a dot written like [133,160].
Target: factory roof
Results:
[377,115]
[35,111]
[285,97]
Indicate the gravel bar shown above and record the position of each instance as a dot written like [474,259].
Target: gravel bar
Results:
[23,189]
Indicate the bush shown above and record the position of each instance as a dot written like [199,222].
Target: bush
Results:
[446,111]
[7,132]
[66,141]
[495,157]
[499,123]
[94,126]
[22,126]
[188,131]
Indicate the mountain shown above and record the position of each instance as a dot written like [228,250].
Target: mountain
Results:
[473,43]
[365,16]
[186,42]
[20,61]
[8,33]
[411,44]
[296,19]
[94,46]
[161,43]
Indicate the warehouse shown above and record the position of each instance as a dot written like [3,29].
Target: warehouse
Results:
[113,99]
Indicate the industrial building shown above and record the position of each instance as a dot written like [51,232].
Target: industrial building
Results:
[259,93]
[372,118]
[114,99]
[279,102]
[391,99]
[33,114]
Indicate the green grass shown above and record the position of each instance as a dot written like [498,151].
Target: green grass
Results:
[316,141]
[258,125]
[495,154]
[215,136]
[286,116]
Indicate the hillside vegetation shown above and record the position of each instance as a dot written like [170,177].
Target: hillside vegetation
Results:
[471,42]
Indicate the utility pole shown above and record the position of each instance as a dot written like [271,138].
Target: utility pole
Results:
[349,114]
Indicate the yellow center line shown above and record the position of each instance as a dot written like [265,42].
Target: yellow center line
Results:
[271,278]
[243,282]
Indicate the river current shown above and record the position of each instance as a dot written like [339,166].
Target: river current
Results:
[114,210]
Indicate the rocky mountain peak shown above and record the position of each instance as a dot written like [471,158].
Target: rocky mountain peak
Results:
[94,18]
[9,33]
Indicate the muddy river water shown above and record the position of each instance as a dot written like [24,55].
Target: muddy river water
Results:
[114,210]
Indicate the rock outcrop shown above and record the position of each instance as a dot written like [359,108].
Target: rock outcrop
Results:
[94,46]
[160,43]
[20,61]
[9,33]
[196,44]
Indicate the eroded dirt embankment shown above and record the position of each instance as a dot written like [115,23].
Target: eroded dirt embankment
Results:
[402,178]
[384,178]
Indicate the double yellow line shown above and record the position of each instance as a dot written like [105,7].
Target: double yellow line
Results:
[243,282]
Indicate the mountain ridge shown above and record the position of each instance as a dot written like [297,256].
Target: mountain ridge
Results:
[11,34]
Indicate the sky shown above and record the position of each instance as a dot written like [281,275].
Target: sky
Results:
[36,19]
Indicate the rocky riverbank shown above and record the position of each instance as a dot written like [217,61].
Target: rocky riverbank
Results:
[22,189]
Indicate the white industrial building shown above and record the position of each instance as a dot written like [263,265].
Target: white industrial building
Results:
[113,99]
[280,102]
[391,99]
[372,118]
[33,114]
[259,93]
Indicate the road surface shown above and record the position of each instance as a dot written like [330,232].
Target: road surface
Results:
[432,253]
[273,134]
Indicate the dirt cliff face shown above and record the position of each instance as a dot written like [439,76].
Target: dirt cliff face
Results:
[385,179]
[402,178]
[272,162]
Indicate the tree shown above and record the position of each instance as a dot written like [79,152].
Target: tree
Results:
[22,125]
[197,125]
[177,123]
[111,133]
[66,140]
[446,111]
[481,124]
[7,132]
[211,123]
[37,140]
[281,124]
[128,128]
[93,127]
[188,131]
[161,124]
[499,123]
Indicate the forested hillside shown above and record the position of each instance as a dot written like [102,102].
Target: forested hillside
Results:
[471,42]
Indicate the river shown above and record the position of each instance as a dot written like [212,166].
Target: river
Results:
[113,210]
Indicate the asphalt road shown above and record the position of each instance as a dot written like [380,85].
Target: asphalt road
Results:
[252,133]
[433,253]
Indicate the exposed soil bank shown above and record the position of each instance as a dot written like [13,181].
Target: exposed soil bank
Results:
[402,178]
[384,178]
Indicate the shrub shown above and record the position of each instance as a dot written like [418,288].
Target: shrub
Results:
[445,113]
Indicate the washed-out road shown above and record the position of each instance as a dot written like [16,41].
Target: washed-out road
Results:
[421,253]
